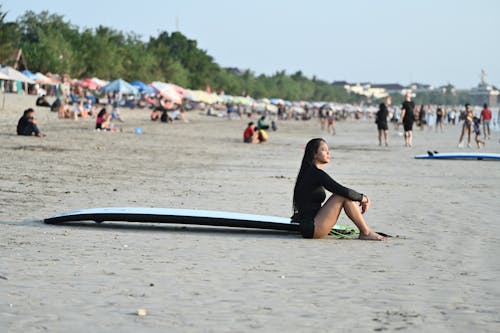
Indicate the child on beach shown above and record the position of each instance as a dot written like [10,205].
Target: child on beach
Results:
[477,132]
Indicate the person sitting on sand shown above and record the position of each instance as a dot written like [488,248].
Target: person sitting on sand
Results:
[103,120]
[261,134]
[115,113]
[27,125]
[42,101]
[261,124]
[249,135]
[79,110]
[316,221]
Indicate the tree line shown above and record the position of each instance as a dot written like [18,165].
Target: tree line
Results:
[52,44]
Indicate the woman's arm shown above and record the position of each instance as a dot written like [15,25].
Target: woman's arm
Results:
[331,185]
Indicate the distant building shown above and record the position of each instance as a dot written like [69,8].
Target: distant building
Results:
[390,88]
[342,84]
[484,93]
[421,87]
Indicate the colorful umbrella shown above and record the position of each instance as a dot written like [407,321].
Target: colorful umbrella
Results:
[167,90]
[88,83]
[120,86]
[142,87]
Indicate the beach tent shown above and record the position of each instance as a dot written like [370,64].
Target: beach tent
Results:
[3,76]
[142,87]
[15,75]
[43,79]
[120,86]
[29,74]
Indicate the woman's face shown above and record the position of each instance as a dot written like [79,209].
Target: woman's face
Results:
[322,156]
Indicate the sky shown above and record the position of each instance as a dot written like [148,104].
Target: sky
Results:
[379,41]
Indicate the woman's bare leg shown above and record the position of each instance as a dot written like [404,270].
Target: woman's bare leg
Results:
[328,215]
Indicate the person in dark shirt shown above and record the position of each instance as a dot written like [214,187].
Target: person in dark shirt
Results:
[408,117]
[381,120]
[27,124]
[316,220]
[42,101]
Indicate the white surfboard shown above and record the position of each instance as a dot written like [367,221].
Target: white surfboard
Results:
[459,156]
[175,216]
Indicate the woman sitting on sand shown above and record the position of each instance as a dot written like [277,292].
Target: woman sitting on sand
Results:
[103,120]
[315,220]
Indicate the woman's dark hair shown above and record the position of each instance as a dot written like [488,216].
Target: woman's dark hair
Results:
[311,149]
[102,112]
[382,106]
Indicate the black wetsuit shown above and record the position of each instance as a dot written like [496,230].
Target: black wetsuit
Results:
[309,194]
[409,117]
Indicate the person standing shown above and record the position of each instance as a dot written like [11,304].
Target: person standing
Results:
[467,126]
[486,119]
[440,113]
[408,118]
[422,118]
[381,121]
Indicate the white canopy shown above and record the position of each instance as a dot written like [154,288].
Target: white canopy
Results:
[15,75]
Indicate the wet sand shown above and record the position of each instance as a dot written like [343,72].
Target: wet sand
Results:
[440,274]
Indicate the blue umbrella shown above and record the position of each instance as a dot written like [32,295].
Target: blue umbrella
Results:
[120,86]
[142,87]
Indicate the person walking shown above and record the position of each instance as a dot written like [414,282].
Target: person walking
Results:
[382,127]
[408,118]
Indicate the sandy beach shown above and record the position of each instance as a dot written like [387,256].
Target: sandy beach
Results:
[439,275]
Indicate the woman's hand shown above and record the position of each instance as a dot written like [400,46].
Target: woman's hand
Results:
[365,204]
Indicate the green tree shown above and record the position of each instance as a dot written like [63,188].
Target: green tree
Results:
[9,39]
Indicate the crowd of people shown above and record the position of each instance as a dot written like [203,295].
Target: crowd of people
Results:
[433,117]
[74,103]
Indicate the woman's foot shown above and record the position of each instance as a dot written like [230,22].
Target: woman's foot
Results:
[371,235]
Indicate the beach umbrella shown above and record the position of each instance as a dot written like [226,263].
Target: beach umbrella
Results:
[88,83]
[120,86]
[276,101]
[99,82]
[168,91]
[3,76]
[142,87]
[15,75]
